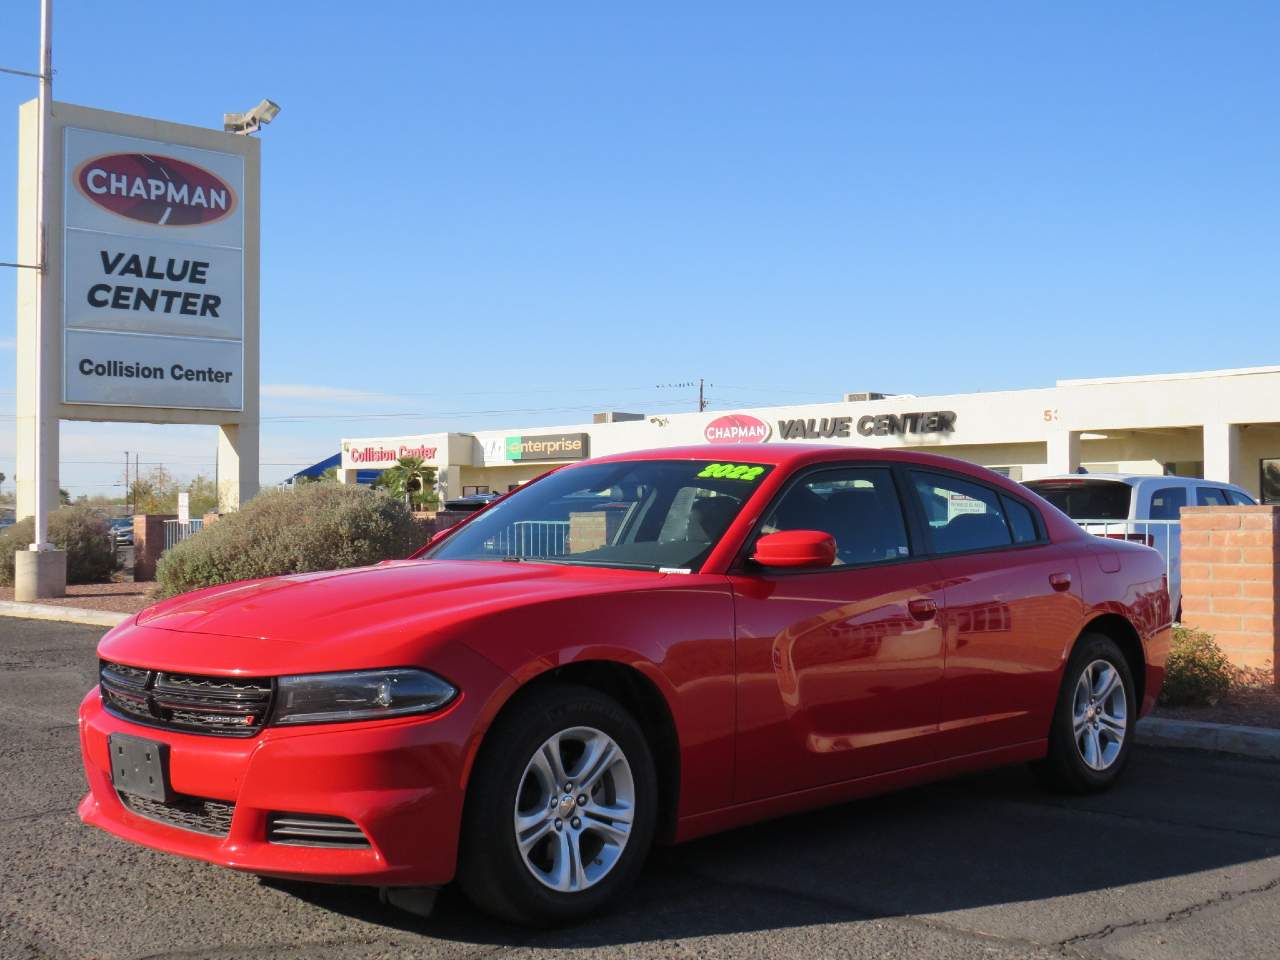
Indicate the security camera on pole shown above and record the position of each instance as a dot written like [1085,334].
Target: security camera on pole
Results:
[140,304]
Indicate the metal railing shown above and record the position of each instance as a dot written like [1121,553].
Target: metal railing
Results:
[532,538]
[175,531]
[1162,535]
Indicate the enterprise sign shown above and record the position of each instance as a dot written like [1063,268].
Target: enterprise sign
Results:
[153,274]
[554,446]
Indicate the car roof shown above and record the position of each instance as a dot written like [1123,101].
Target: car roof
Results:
[1137,479]
[793,455]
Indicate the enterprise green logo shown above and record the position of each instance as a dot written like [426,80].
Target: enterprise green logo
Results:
[554,446]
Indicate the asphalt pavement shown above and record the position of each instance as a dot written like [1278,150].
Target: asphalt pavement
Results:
[1182,860]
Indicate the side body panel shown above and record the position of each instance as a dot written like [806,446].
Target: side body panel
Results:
[1008,633]
[836,679]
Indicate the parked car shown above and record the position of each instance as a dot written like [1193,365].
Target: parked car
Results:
[122,531]
[702,644]
[1138,507]
[471,502]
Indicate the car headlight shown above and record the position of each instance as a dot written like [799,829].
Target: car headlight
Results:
[359,695]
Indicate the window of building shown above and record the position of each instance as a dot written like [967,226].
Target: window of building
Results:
[1270,480]
[961,515]
[1167,503]
[859,507]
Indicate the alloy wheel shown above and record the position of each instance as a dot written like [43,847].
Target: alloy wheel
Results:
[574,809]
[1100,715]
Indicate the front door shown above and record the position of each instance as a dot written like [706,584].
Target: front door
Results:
[839,669]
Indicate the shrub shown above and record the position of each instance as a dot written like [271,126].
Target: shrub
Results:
[319,526]
[81,531]
[1198,673]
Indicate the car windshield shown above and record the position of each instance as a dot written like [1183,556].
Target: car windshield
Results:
[638,514]
[1087,499]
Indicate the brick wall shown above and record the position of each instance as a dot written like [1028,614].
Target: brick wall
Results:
[1230,587]
[148,543]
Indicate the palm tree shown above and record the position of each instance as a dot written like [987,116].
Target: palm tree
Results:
[410,480]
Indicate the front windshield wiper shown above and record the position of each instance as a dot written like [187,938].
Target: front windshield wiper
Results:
[564,562]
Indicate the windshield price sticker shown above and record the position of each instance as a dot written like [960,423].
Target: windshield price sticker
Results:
[732,471]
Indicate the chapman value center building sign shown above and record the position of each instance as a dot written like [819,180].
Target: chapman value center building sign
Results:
[153,279]
[150,310]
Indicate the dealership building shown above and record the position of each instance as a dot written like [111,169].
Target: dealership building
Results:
[1219,424]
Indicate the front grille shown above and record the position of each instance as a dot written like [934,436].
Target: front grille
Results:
[220,706]
[197,814]
[314,830]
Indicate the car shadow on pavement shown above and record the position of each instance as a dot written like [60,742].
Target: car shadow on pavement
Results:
[986,841]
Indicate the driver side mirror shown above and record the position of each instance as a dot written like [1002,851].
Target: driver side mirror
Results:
[795,549]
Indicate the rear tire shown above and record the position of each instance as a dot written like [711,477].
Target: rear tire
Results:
[1092,729]
[561,809]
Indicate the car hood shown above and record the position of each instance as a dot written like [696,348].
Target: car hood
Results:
[344,619]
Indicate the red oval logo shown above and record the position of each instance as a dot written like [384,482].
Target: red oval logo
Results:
[736,428]
[153,189]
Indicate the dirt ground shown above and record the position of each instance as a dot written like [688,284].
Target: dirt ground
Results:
[120,597]
[1252,706]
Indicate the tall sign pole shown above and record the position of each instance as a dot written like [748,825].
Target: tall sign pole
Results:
[45,98]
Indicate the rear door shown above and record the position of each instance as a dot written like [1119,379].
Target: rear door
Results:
[839,669]
[1012,605]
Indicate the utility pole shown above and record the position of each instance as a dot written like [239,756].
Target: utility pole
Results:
[44,105]
[702,393]
[127,491]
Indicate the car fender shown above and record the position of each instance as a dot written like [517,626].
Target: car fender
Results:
[677,633]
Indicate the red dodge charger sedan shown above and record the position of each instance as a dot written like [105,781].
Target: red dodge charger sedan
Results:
[644,647]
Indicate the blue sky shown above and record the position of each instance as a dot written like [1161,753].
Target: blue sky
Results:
[548,214]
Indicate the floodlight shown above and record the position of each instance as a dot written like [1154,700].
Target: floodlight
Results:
[252,121]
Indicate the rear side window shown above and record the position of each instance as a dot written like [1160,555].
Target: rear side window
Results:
[962,516]
[1087,499]
[1020,520]
[1167,503]
[1210,497]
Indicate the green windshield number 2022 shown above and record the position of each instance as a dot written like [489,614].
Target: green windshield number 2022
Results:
[731,471]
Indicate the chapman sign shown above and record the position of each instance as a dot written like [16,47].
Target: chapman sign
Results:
[153,278]
[736,428]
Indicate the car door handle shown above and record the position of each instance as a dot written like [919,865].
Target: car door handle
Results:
[1060,581]
[922,609]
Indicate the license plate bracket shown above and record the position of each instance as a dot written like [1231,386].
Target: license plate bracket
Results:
[140,767]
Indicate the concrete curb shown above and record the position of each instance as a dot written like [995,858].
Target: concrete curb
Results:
[1259,742]
[50,611]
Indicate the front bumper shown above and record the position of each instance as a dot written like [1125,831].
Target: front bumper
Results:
[400,781]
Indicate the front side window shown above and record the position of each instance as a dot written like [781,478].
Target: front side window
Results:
[639,514]
[1239,499]
[857,506]
[1167,503]
[962,516]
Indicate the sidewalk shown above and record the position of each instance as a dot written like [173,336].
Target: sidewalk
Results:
[62,613]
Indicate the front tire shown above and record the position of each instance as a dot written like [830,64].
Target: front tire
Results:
[561,809]
[1092,730]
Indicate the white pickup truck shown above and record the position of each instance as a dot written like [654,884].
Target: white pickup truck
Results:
[1145,509]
